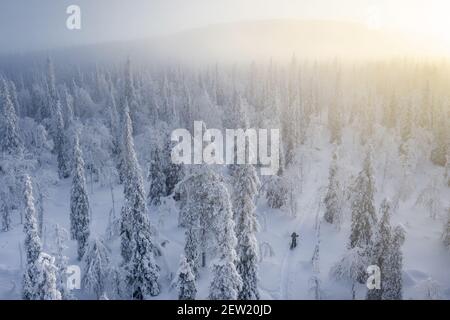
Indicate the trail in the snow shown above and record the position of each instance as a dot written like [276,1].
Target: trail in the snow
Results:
[289,262]
[295,260]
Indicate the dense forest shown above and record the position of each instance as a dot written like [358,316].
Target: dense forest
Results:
[86,179]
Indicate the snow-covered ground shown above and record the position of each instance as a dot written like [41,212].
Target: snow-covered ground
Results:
[283,273]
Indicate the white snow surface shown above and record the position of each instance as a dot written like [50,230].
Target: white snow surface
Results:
[285,274]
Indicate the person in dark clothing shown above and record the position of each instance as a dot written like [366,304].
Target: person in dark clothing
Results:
[294,237]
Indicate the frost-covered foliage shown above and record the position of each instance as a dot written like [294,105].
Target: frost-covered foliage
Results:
[45,273]
[349,268]
[226,283]
[393,285]
[157,178]
[332,201]
[380,247]
[186,281]
[97,269]
[97,146]
[36,140]
[123,115]
[430,198]
[79,203]
[334,116]
[363,210]
[387,255]
[60,237]
[60,143]
[39,281]
[196,215]
[32,241]
[208,218]
[137,247]
[441,151]
[245,189]
[276,192]
[10,142]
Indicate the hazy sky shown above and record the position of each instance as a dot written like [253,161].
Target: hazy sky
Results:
[40,24]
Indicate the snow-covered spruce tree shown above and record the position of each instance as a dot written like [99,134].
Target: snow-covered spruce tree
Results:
[276,192]
[5,215]
[142,272]
[389,112]
[245,188]
[40,208]
[52,93]
[442,146]
[208,218]
[10,142]
[186,281]
[332,205]
[14,97]
[381,246]
[226,282]
[173,172]
[130,97]
[194,214]
[32,245]
[97,269]
[392,279]
[193,245]
[406,123]
[430,197]
[60,236]
[68,105]
[126,173]
[60,143]
[46,271]
[157,178]
[114,123]
[121,161]
[363,210]
[79,203]
[334,118]
[348,269]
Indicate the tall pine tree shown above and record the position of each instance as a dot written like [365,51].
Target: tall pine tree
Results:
[245,188]
[79,202]
[363,210]
[142,272]
[226,282]
[157,178]
[186,281]
[380,248]
[97,269]
[393,284]
[32,244]
[10,142]
[332,206]
[60,143]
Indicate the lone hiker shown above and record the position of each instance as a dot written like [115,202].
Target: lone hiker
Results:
[294,237]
